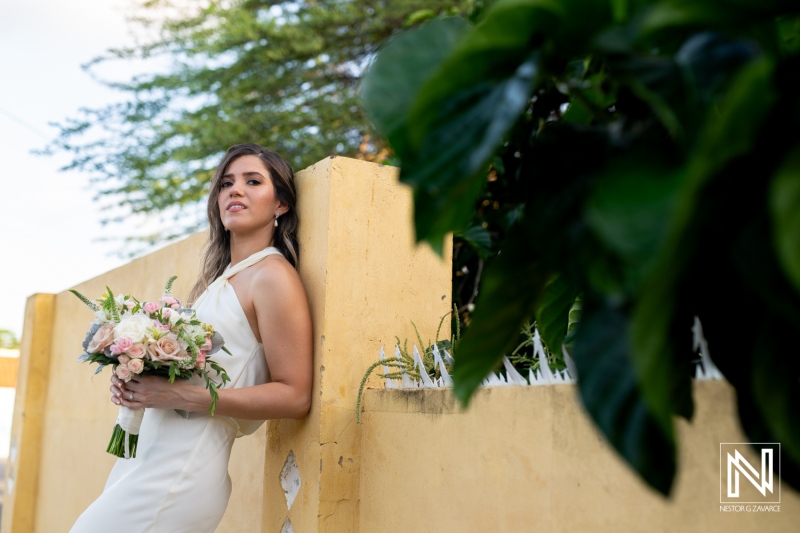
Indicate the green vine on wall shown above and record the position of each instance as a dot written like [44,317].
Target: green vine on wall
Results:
[522,357]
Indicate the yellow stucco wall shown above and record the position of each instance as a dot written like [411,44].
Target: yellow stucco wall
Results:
[366,281]
[22,470]
[528,459]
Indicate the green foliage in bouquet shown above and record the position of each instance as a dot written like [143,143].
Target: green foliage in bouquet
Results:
[652,147]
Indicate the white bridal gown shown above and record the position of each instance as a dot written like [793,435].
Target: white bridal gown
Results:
[178,482]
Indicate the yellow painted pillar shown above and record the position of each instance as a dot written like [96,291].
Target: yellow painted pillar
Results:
[22,472]
[366,281]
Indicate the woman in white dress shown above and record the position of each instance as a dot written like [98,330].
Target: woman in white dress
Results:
[249,290]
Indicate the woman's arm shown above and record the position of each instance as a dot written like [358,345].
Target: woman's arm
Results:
[284,325]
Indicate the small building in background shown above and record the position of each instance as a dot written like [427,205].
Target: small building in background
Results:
[9,365]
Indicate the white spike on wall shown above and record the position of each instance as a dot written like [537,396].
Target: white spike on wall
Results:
[544,375]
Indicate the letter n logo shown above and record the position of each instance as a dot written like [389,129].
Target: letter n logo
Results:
[744,480]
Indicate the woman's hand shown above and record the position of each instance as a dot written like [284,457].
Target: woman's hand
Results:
[156,391]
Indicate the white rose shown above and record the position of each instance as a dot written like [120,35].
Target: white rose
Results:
[134,327]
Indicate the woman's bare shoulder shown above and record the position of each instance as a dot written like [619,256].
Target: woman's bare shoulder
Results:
[276,274]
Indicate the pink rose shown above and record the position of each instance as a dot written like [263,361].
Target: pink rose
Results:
[166,312]
[136,366]
[115,349]
[201,359]
[169,300]
[151,352]
[123,359]
[130,304]
[207,345]
[152,307]
[124,344]
[167,349]
[136,351]
[123,372]
[102,339]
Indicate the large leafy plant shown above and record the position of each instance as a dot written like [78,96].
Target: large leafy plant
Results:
[654,154]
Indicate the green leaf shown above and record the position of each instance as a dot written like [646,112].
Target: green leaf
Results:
[168,286]
[449,170]
[400,70]
[784,199]
[731,129]
[678,16]
[631,205]
[737,237]
[612,396]
[503,40]
[775,384]
[482,89]
[553,309]
[90,304]
[419,16]
[478,237]
[681,16]
[727,133]
[511,284]
[574,315]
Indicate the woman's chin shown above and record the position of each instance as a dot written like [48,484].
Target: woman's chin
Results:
[242,230]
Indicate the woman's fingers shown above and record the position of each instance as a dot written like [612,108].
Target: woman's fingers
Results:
[135,383]
[121,392]
[135,404]
[147,391]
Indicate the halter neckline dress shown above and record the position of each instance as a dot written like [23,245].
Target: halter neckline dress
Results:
[178,482]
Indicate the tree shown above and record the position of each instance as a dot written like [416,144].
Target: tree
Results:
[8,340]
[651,153]
[280,73]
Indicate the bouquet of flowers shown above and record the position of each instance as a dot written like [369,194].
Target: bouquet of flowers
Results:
[149,338]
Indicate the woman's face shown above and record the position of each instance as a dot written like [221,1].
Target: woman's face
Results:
[246,199]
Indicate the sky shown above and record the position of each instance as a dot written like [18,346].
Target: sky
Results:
[49,222]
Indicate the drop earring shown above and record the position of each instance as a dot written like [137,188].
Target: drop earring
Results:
[276,220]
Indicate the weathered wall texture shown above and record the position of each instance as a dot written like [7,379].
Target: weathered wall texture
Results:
[529,459]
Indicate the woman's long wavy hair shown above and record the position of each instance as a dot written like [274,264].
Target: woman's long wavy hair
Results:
[218,248]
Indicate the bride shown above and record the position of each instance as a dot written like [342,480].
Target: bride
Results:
[248,290]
